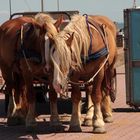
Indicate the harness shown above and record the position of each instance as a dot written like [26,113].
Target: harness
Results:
[27,53]
[94,56]
[101,52]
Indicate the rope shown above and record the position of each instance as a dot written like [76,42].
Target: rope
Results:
[91,79]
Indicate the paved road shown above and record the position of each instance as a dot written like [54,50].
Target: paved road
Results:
[126,123]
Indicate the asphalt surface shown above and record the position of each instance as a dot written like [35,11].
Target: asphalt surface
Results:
[126,123]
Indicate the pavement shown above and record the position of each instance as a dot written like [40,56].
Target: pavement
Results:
[126,123]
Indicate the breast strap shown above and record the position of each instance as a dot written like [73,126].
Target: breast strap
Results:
[94,56]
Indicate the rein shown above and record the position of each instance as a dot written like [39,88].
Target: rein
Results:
[26,53]
[25,57]
[23,52]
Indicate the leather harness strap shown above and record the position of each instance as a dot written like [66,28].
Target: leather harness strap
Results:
[101,52]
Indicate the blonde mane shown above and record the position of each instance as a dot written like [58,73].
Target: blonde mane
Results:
[80,43]
[46,19]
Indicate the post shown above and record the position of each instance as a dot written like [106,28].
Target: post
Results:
[57,5]
[42,6]
[134,4]
[10,7]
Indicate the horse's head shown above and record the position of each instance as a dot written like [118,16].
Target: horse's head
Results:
[61,57]
[52,28]
[34,40]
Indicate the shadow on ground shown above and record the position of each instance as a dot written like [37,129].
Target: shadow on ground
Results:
[126,110]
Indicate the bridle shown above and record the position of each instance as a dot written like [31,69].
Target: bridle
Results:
[22,50]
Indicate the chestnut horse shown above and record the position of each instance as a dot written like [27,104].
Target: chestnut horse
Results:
[22,47]
[85,50]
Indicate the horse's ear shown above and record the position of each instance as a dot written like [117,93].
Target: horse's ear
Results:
[70,39]
[58,22]
[28,27]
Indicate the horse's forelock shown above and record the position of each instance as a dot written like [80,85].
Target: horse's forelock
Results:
[42,18]
[47,20]
[63,52]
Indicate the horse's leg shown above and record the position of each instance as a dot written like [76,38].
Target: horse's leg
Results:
[98,122]
[54,118]
[7,75]
[30,98]
[90,107]
[11,120]
[20,100]
[30,94]
[75,123]
[106,109]
[106,103]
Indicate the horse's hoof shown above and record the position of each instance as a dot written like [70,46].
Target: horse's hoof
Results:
[75,128]
[99,130]
[88,122]
[108,119]
[11,121]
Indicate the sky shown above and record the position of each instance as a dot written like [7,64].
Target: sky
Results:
[110,8]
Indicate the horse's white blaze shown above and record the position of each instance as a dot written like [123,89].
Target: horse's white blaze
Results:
[56,75]
[47,51]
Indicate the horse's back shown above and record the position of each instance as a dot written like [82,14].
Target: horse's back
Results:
[106,21]
[15,24]
[9,35]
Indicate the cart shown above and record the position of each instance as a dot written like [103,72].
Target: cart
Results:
[132,56]
[42,89]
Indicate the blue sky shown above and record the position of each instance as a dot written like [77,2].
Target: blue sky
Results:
[111,8]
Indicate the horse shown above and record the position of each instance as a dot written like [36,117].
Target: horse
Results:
[42,18]
[85,50]
[22,47]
